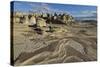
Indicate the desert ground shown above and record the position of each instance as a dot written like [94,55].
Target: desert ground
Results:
[67,43]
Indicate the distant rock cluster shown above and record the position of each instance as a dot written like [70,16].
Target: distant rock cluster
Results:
[42,20]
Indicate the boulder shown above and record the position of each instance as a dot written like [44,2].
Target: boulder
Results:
[16,20]
[67,19]
[32,20]
[41,22]
[26,20]
[44,15]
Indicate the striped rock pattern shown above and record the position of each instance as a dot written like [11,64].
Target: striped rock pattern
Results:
[64,47]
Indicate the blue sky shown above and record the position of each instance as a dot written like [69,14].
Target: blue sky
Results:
[75,10]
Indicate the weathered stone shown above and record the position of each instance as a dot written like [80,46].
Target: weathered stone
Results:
[41,22]
[64,18]
[44,15]
[67,19]
[75,45]
[26,20]
[55,17]
[32,20]
[16,20]
[18,14]
[73,59]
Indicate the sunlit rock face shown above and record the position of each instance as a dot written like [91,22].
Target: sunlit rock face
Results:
[16,19]
[26,19]
[41,22]
[32,20]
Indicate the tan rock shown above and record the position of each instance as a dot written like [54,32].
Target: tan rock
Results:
[32,20]
[77,46]
[26,20]
[73,59]
[16,20]
[41,22]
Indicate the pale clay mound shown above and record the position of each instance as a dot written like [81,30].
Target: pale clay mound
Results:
[62,47]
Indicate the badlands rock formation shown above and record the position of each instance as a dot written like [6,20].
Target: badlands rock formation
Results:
[58,43]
